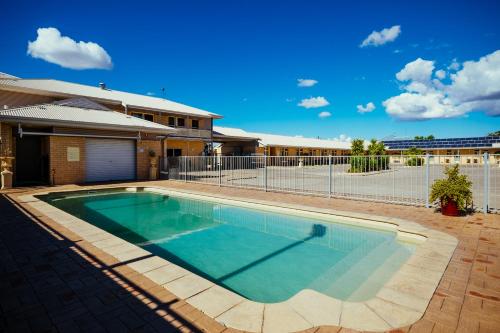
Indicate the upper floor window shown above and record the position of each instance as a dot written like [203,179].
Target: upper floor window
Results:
[145,116]
[171,121]
[181,122]
[195,123]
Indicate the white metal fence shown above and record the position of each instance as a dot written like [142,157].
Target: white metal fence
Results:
[386,178]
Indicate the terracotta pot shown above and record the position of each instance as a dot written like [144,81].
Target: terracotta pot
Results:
[153,161]
[450,208]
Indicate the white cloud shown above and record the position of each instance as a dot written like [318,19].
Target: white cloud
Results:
[306,82]
[65,52]
[377,38]
[365,109]
[324,114]
[343,138]
[475,87]
[313,102]
[440,74]
[418,70]
[455,65]
[288,100]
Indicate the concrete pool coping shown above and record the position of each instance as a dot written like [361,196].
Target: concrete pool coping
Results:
[400,302]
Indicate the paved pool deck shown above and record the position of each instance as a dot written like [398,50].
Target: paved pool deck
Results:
[53,280]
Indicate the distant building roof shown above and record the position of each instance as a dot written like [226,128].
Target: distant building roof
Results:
[283,140]
[63,115]
[450,143]
[69,89]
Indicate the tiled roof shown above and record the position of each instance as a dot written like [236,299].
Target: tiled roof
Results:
[63,115]
[62,88]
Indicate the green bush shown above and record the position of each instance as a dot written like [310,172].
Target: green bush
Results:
[368,163]
[455,187]
[415,161]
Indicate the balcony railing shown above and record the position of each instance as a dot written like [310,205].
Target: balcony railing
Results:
[192,133]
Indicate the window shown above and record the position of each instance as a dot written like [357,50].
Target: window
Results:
[171,121]
[195,123]
[174,152]
[468,161]
[145,116]
[181,122]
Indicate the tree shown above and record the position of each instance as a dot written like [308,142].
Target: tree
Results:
[358,147]
[376,148]
[421,137]
[376,161]
[497,133]
[414,156]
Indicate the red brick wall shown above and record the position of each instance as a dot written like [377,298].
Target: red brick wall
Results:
[62,171]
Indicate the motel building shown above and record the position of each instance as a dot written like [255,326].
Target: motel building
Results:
[237,142]
[61,132]
[448,151]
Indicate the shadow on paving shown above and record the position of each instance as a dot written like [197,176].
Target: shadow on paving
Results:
[46,285]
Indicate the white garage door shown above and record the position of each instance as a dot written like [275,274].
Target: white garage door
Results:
[109,159]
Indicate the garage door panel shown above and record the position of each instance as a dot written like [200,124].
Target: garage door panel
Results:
[110,159]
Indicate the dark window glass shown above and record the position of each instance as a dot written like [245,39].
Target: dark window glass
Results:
[171,121]
[195,123]
[137,115]
[181,122]
[148,117]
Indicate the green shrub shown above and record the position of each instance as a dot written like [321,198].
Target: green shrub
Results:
[455,187]
[415,161]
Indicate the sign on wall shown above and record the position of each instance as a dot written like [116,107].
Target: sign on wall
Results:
[73,154]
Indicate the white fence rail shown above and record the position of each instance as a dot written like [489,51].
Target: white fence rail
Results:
[386,178]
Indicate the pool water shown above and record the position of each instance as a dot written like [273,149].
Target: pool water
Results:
[263,256]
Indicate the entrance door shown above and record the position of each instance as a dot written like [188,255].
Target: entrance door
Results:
[31,161]
[109,159]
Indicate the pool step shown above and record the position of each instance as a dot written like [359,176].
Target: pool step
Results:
[330,276]
[347,281]
[380,276]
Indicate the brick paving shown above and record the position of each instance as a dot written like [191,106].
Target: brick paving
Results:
[53,281]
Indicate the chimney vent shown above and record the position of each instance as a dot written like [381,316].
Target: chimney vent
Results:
[102,85]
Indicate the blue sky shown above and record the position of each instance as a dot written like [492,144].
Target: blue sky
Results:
[242,59]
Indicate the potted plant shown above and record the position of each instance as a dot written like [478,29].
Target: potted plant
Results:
[453,193]
[6,159]
[152,157]
[153,170]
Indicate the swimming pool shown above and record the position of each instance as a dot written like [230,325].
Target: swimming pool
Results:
[262,255]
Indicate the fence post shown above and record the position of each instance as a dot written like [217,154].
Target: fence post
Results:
[427,178]
[486,182]
[220,168]
[265,172]
[185,167]
[329,176]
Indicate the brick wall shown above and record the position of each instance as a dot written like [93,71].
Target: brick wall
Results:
[190,148]
[6,139]
[61,170]
[143,162]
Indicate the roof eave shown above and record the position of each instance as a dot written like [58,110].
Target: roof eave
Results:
[76,124]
